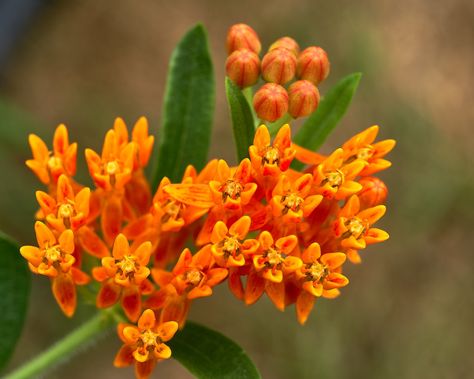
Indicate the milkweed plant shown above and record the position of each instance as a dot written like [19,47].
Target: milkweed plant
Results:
[282,222]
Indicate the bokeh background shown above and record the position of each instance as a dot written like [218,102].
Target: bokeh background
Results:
[409,310]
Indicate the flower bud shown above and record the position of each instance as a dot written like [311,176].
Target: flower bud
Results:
[313,65]
[286,43]
[242,36]
[304,98]
[270,102]
[279,66]
[374,192]
[243,67]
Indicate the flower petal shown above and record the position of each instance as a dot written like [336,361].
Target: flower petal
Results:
[64,292]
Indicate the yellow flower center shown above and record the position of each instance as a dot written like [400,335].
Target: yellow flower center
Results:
[334,178]
[127,265]
[291,202]
[193,277]
[231,189]
[54,163]
[65,211]
[150,338]
[365,153]
[231,246]
[273,258]
[111,168]
[271,156]
[355,227]
[316,272]
[53,254]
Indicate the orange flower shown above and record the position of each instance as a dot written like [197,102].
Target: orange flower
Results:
[319,276]
[334,179]
[271,159]
[229,246]
[54,258]
[292,200]
[67,211]
[353,228]
[114,168]
[232,188]
[271,262]
[49,166]
[362,146]
[144,344]
[193,275]
[124,275]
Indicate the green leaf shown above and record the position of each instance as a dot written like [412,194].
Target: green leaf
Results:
[14,290]
[188,108]
[207,354]
[242,119]
[332,107]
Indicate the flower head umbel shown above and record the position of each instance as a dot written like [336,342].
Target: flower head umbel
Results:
[144,344]
[282,221]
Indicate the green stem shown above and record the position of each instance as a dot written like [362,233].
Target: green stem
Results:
[248,94]
[64,348]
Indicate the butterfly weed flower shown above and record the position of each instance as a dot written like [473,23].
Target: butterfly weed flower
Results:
[261,225]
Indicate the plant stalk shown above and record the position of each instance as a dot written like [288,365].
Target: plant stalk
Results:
[64,348]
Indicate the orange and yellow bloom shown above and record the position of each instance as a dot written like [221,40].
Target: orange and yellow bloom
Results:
[144,344]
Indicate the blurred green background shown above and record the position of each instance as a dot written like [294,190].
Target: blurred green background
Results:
[408,311]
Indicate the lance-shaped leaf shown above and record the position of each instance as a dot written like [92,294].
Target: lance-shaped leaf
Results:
[188,108]
[242,118]
[14,290]
[332,107]
[207,354]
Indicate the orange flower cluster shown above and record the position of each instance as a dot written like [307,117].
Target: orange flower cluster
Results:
[280,65]
[261,225]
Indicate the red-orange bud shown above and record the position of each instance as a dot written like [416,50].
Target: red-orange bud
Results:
[270,102]
[286,43]
[242,36]
[313,65]
[303,98]
[279,66]
[374,192]
[243,67]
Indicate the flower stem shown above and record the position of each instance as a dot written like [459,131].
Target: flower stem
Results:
[64,348]
[248,94]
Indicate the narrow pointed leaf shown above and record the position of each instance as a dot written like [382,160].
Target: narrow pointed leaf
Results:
[14,290]
[242,118]
[331,109]
[188,108]
[207,354]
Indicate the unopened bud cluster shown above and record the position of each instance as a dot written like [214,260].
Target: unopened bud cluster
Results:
[291,75]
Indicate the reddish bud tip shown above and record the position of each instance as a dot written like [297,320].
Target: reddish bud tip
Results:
[279,66]
[271,102]
[374,192]
[286,43]
[313,65]
[243,67]
[304,98]
[242,36]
